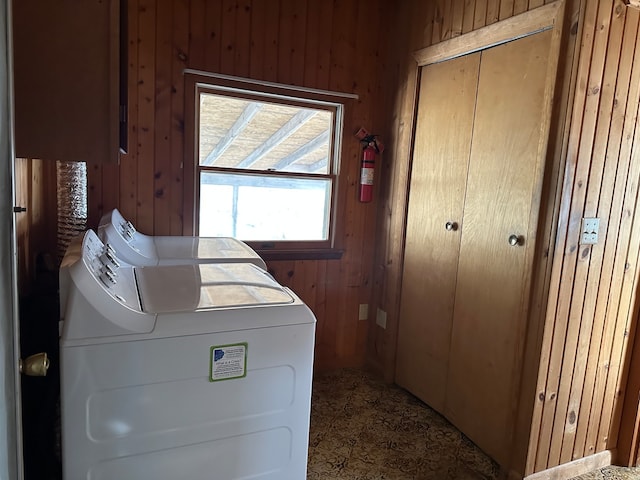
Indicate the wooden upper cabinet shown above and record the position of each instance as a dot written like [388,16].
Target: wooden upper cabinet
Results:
[70,96]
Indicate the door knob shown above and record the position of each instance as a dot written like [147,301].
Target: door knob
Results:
[35,365]
[451,226]
[516,240]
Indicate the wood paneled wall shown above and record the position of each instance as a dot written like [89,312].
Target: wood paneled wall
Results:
[311,43]
[589,293]
[592,298]
[36,226]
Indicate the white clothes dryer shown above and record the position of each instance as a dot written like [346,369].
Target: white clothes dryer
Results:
[138,249]
[196,371]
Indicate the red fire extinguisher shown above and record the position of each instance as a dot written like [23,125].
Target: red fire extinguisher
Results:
[372,146]
[366,173]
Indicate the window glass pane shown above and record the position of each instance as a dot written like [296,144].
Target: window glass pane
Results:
[264,207]
[247,134]
[216,210]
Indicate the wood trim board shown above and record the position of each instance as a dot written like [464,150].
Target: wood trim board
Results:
[576,468]
[528,23]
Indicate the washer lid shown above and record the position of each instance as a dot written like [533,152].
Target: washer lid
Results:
[190,288]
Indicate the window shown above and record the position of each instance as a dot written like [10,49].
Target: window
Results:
[266,161]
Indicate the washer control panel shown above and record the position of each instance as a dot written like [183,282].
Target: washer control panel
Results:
[112,273]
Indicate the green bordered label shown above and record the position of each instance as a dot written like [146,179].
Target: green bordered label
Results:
[227,362]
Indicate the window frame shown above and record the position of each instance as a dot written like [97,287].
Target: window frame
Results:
[197,82]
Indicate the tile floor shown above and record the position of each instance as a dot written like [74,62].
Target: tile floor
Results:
[364,429]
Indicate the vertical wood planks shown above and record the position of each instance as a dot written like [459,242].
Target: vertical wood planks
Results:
[180,58]
[447,21]
[243,37]
[555,327]
[213,33]
[272,20]
[493,11]
[626,311]
[285,35]
[259,40]
[457,18]
[480,14]
[162,121]
[468,17]
[582,332]
[293,17]
[610,207]
[298,43]
[367,64]
[580,149]
[110,188]
[319,306]
[437,21]
[128,163]
[506,9]
[325,32]
[587,271]
[94,192]
[146,115]
[531,395]
[23,183]
[626,306]
[520,6]
[314,30]
[197,32]
[35,227]
[628,422]
[403,74]
[345,273]
[228,39]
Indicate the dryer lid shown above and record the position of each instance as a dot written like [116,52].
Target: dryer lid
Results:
[200,287]
[202,248]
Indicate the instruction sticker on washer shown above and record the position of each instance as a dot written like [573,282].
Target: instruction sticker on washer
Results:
[227,362]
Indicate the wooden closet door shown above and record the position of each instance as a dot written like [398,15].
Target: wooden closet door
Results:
[492,292]
[439,174]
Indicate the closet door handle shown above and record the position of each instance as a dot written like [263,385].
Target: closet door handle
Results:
[451,226]
[516,240]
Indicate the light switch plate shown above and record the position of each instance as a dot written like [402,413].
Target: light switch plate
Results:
[363,311]
[381,318]
[589,231]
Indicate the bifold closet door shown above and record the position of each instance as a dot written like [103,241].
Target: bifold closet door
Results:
[446,103]
[498,236]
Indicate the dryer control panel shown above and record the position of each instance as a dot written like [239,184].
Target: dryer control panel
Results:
[122,226]
[127,229]
[131,245]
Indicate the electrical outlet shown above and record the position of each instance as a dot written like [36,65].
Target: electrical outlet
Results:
[363,311]
[381,318]
[589,231]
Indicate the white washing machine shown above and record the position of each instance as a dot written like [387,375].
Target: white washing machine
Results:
[141,250]
[181,372]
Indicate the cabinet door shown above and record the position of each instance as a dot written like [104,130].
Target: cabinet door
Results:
[439,174]
[503,189]
[67,79]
